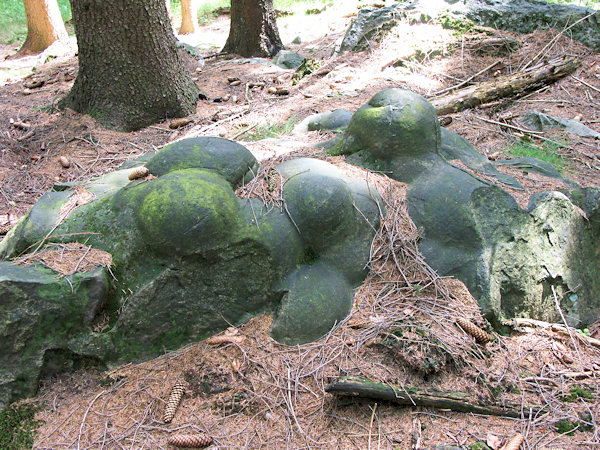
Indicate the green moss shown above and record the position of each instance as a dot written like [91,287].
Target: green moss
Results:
[566,426]
[548,152]
[186,210]
[18,427]
[459,25]
[307,67]
[576,392]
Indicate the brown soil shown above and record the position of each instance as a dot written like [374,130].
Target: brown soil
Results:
[256,393]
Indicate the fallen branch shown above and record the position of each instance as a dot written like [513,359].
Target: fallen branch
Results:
[513,85]
[455,401]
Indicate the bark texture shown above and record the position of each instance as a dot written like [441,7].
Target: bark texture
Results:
[44,26]
[513,85]
[413,396]
[253,30]
[130,74]
[189,17]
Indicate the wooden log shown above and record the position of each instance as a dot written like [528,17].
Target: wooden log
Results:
[404,395]
[513,85]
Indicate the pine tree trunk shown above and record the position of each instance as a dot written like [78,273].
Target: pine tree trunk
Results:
[44,26]
[170,13]
[189,17]
[253,30]
[130,74]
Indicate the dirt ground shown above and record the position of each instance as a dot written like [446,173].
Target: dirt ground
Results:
[251,392]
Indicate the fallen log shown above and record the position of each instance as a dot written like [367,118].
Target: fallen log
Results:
[404,395]
[513,85]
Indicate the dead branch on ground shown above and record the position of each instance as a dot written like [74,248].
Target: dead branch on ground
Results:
[513,85]
[414,396]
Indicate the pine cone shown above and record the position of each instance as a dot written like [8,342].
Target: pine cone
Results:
[5,228]
[173,401]
[273,180]
[190,440]
[470,328]
[138,172]
[514,443]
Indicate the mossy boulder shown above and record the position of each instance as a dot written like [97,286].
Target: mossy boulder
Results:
[228,159]
[189,259]
[41,315]
[317,290]
[336,120]
[513,260]
[521,16]
[388,127]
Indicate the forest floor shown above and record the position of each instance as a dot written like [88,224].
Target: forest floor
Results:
[252,392]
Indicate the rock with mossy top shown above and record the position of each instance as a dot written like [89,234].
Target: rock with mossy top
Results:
[188,258]
[515,261]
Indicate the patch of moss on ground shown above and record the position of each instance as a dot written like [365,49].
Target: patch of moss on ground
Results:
[547,152]
[577,392]
[18,427]
[459,25]
[565,426]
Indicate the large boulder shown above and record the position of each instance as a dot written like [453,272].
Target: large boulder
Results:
[189,259]
[368,21]
[521,16]
[515,262]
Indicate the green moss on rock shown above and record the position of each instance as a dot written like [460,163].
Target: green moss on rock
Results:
[316,297]
[229,159]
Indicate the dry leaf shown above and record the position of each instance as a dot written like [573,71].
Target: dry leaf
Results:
[493,441]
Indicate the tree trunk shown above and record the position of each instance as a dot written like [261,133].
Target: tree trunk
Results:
[189,17]
[170,13]
[253,30]
[44,26]
[130,74]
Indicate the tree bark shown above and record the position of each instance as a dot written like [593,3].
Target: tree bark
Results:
[455,401]
[170,13]
[253,30]
[513,85]
[189,17]
[130,74]
[44,26]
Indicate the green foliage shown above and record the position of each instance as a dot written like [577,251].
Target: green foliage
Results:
[13,22]
[546,152]
[272,130]
[209,10]
[18,427]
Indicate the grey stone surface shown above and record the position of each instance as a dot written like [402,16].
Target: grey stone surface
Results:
[457,147]
[512,260]
[536,120]
[335,120]
[367,21]
[287,59]
[522,16]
